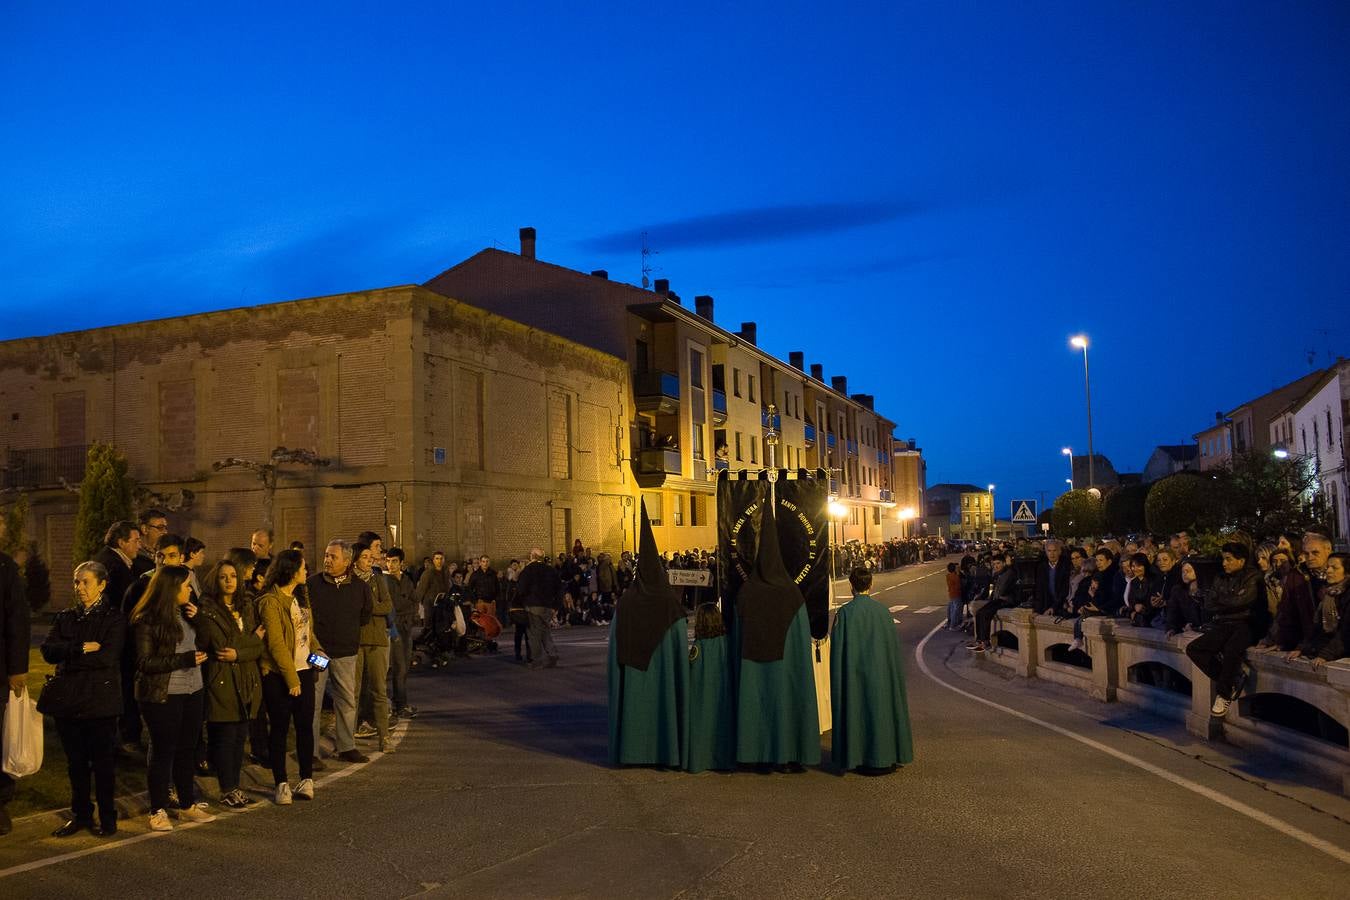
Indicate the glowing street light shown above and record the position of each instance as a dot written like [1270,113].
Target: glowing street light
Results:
[1080,342]
[904,516]
[993,516]
[1281,453]
[1068,451]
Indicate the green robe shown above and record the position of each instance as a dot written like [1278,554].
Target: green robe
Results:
[710,741]
[776,718]
[648,710]
[867,689]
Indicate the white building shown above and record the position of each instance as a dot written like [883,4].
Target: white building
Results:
[1318,436]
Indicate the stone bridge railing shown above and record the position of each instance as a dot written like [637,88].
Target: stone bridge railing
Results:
[1288,707]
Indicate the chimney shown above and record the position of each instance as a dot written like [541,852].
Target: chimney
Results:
[1218,418]
[863,400]
[527,243]
[703,305]
[818,372]
[600,273]
[661,286]
[750,333]
[840,384]
[797,360]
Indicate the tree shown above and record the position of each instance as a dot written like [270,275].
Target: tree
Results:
[1185,501]
[267,472]
[1263,495]
[1076,514]
[105,498]
[37,578]
[13,527]
[1124,509]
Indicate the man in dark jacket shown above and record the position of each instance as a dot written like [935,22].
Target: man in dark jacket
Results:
[1052,579]
[121,547]
[1109,597]
[154,525]
[403,590]
[483,584]
[341,604]
[1219,651]
[1003,596]
[538,590]
[14,636]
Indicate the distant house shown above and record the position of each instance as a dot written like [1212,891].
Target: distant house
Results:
[1248,427]
[1102,472]
[1169,459]
[1318,438]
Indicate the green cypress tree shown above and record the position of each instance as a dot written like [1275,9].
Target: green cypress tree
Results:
[105,497]
[13,527]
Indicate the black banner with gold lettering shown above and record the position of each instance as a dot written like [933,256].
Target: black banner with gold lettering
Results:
[803,521]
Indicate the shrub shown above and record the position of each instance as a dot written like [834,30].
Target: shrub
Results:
[1124,509]
[105,498]
[1076,514]
[1183,502]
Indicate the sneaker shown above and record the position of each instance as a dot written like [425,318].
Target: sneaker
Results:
[974,645]
[1220,707]
[305,789]
[159,821]
[353,756]
[283,796]
[365,730]
[197,812]
[236,800]
[408,712]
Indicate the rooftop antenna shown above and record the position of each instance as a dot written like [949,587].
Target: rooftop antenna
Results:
[647,268]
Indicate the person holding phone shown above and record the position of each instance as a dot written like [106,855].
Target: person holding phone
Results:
[170,692]
[230,633]
[290,655]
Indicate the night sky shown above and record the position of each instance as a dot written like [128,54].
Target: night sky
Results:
[928,199]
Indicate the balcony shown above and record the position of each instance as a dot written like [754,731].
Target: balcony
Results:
[722,464]
[829,440]
[834,487]
[654,465]
[657,392]
[852,447]
[719,407]
[881,458]
[887,496]
[810,435]
[43,468]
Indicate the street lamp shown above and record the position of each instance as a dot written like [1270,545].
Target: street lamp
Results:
[837,512]
[1068,451]
[1080,342]
[904,516]
[993,519]
[1280,453]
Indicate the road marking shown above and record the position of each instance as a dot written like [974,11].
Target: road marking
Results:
[896,620]
[224,816]
[898,608]
[1237,806]
[926,610]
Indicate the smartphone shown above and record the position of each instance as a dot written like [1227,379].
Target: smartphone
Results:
[318,661]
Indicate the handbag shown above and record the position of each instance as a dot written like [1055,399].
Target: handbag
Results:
[519,617]
[60,697]
[22,737]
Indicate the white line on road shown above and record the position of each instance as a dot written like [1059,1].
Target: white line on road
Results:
[1237,806]
[926,610]
[896,620]
[898,608]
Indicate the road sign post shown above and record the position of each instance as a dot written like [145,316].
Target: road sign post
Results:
[1024,512]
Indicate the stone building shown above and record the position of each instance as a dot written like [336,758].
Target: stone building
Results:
[443,426]
[701,392]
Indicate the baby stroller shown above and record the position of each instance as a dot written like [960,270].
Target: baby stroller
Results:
[442,638]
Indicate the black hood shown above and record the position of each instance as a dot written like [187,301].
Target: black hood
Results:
[648,608]
[770,598]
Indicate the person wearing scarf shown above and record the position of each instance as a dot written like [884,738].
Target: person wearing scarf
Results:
[648,666]
[870,724]
[777,719]
[1331,632]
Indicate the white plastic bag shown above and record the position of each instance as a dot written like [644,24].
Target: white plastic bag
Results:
[23,736]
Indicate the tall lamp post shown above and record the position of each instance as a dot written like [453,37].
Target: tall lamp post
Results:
[1080,342]
[993,517]
[1068,451]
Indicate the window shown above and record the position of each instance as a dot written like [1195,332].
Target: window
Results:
[695,368]
[653,503]
[641,356]
[698,509]
[739,456]
[677,512]
[754,449]
[735,382]
[750,388]
[787,403]
[696,442]
[1331,443]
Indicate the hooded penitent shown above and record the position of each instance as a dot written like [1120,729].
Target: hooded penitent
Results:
[769,599]
[648,608]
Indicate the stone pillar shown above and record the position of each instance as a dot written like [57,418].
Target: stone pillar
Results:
[1019,622]
[1099,640]
[1199,721]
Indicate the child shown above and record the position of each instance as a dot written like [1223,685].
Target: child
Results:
[953,598]
[709,742]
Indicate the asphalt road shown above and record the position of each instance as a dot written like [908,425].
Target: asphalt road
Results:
[499,789]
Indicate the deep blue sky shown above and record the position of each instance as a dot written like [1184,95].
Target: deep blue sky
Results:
[927,198]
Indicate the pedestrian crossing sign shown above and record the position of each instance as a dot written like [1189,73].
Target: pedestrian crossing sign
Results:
[1024,512]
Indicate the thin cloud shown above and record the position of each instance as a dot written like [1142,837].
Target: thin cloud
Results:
[838,273]
[756,225]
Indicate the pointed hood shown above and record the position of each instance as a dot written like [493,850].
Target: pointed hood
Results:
[648,608]
[769,599]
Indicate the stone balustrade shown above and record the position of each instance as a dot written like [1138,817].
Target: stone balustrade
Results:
[1146,668]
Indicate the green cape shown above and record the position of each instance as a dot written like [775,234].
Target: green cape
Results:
[710,742]
[867,689]
[776,718]
[647,709]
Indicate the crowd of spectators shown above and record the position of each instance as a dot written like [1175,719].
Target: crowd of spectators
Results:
[1286,594]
